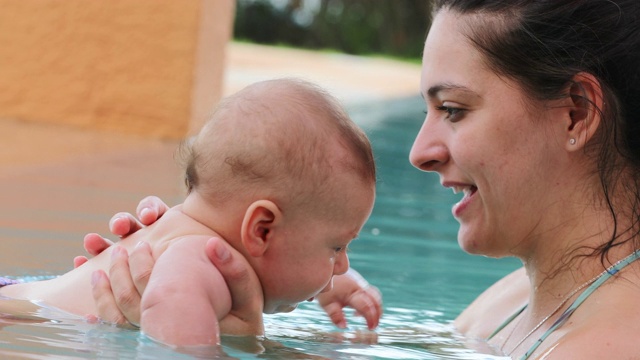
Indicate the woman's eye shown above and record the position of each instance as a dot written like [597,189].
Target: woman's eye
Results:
[453,113]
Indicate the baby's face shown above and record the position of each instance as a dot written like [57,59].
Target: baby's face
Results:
[313,250]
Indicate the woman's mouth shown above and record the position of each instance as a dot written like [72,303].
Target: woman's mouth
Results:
[469,192]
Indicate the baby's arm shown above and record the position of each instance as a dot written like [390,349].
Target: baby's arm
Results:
[186,296]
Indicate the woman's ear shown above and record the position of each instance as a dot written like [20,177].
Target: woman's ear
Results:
[585,114]
[260,219]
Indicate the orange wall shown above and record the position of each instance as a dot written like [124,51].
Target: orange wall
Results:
[151,67]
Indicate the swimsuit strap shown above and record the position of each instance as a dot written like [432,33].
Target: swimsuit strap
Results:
[507,322]
[585,294]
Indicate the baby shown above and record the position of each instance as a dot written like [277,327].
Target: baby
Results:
[283,175]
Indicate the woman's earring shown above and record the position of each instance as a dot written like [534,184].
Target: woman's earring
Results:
[572,141]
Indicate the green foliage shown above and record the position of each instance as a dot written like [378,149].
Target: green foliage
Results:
[388,27]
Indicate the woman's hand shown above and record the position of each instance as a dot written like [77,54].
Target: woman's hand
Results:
[245,317]
[118,294]
[149,210]
[351,289]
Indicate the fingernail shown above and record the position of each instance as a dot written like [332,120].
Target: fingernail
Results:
[116,252]
[144,212]
[139,244]
[222,253]
[95,276]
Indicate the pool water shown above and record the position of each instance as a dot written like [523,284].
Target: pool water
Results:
[407,249]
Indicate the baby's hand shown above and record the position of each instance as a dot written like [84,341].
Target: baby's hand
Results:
[351,289]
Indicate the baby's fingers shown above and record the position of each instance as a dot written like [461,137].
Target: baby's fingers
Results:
[368,303]
[336,314]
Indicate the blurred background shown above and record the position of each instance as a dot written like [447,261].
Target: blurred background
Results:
[95,97]
[360,27]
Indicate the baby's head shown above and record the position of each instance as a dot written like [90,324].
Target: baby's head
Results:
[286,153]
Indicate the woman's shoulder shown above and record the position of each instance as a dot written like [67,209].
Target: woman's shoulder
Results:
[495,305]
[610,339]
[606,326]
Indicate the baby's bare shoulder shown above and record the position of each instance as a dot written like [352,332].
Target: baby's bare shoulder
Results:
[172,227]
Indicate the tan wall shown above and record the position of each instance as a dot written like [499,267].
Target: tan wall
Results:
[146,66]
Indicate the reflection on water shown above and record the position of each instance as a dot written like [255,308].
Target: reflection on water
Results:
[408,249]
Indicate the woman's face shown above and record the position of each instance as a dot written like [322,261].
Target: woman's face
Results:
[484,142]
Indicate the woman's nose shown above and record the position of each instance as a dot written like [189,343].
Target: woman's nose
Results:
[429,152]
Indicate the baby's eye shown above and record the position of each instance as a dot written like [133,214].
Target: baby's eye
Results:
[453,113]
[340,249]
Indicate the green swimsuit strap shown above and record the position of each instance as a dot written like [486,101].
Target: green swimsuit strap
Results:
[507,322]
[585,294]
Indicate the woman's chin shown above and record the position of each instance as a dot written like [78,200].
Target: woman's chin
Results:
[471,244]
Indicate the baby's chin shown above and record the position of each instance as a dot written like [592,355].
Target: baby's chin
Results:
[285,308]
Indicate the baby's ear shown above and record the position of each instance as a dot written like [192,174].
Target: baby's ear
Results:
[259,221]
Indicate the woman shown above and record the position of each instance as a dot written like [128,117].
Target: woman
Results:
[531,114]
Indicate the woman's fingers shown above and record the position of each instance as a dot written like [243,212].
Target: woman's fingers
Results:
[123,224]
[118,295]
[79,260]
[105,302]
[240,278]
[141,263]
[245,289]
[151,209]
[94,244]
[126,298]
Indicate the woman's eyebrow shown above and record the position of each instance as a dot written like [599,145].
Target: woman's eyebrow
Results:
[433,91]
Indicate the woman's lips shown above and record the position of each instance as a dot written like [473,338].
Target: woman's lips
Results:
[459,208]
